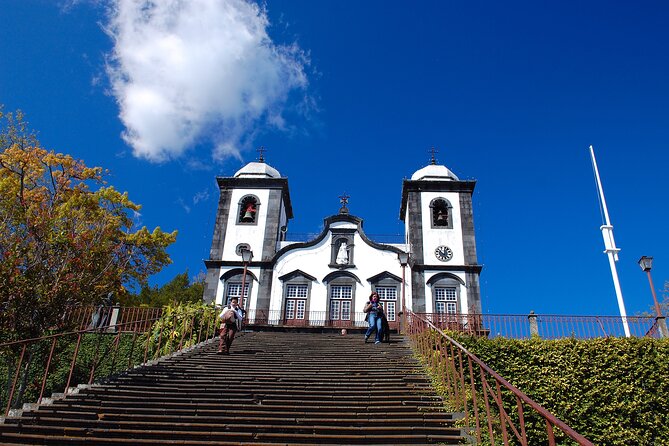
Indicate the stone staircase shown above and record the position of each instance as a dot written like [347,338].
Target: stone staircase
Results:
[274,388]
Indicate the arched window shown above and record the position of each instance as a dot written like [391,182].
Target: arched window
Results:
[247,213]
[233,289]
[388,286]
[446,301]
[341,297]
[441,213]
[340,293]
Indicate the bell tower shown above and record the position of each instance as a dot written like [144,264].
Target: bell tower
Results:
[253,212]
[439,228]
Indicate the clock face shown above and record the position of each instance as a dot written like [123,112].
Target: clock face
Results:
[443,253]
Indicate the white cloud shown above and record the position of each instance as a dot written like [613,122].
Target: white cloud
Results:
[197,71]
[201,196]
[183,204]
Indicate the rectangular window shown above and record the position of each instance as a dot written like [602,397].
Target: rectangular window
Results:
[301,304]
[290,309]
[234,291]
[388,296]
[341,292]
[297,291]
[386,292]
[390,310]
[340,302]
[446,299]
[335,310]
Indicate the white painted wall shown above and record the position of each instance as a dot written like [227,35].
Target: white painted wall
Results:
[254,235]
[437,237]
[314,261]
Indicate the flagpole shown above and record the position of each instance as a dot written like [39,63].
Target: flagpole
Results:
[610,246]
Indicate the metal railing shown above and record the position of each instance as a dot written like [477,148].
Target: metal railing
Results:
[545,326]
[493,408]
[306,319]
[58,362]
[515,326]
[89,317]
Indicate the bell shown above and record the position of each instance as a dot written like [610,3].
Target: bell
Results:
[441,218]
[248,216]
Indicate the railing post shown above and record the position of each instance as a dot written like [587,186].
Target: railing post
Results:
[534,327]
[661,322]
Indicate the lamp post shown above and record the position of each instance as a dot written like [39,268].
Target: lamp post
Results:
[404,261]
[646,263]
[247,256]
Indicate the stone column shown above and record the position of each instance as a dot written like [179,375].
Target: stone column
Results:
[534,327]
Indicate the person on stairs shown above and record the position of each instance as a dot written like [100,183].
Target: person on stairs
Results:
[374,312]
[231,322]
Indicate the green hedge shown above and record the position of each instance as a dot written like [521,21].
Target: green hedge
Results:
[614,391]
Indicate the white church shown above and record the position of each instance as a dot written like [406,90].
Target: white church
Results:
[327,280]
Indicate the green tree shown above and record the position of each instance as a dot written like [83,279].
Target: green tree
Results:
[66,237]
[180,290]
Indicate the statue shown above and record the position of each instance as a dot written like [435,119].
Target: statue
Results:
[342,254]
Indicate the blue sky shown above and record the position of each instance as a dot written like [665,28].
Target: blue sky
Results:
[349,97]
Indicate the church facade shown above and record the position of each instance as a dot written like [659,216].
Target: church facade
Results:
[327,280]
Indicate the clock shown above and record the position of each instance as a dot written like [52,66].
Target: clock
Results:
[443,253]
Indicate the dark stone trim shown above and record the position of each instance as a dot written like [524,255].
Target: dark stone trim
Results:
[237,272]
[272,223]
[337,274]
[384,275]
[221,263]
[468,237]
[210,285]
[418,291]
[220,224]
[211,282]
[259,183]
[296,273]
[458,268]
[441,276]
[474,293]
[432,186]
[264,289]
[320,237]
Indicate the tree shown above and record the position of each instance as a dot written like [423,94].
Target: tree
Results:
[177,291]
[66,237]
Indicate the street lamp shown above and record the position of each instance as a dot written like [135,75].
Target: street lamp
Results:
[646,263]
[247,256]
[404,261]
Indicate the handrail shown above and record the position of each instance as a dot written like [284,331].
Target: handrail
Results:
[459,393]
[196,326]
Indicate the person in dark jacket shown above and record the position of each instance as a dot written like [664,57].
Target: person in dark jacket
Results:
[374,311]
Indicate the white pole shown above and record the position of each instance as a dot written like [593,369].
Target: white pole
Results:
[610,246]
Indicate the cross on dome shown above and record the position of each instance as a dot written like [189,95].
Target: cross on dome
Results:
[433,159]
[261,151]
[343,199]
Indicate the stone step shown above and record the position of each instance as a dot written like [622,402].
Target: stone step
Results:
[245,417]
[97,406]
[216,434]
[275,388]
